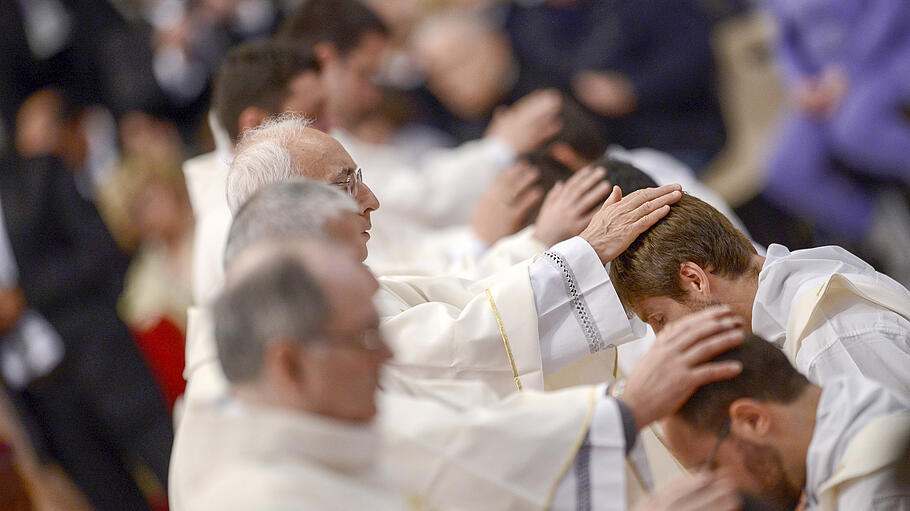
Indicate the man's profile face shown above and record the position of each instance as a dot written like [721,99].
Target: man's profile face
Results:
[306,96]
[322,158]
[658,311]
[350,79]
[755,469]
[341,374]
[346,230]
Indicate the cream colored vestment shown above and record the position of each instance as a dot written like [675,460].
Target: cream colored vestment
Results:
[834,315]
[859,455]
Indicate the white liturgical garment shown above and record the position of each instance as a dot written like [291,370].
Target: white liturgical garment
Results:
[533,450]
[859,456]
[509,330]
[439,193]
[844,334]
[237,456]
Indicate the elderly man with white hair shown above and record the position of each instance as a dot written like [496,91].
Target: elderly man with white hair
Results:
[509,330]
[298,340]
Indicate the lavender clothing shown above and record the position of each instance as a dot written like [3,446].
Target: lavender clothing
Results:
[862,36]
[870,40]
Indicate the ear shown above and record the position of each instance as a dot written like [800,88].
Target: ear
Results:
[282,365]
[693,279]
[750,420]
[325,52]
[563,153]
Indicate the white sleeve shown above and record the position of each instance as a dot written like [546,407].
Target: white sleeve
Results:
[596,477]
[443,190]
[578,310]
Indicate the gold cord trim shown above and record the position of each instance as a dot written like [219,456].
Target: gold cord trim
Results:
[505,338]
[578,442]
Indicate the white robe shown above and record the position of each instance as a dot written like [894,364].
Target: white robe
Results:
[439,193]
[236,456]
[856,338]
[848,405]
[530,451]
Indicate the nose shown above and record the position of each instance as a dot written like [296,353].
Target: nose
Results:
[366,199]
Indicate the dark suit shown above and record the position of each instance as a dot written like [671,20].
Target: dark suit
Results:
[101,408]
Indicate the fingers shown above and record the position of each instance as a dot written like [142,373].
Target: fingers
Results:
[656,203]
[640,197]
[720,495]
[615,196]
[583,180]
[527,201]
[713,346]
[696,326]
[643,224]
[593,197]
[526,176]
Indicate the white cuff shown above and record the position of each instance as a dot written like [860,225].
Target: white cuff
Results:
[498,151]
[578,310]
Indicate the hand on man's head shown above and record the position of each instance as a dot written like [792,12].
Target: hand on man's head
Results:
[677,364]
[567,209]
[505,207]
[528,123]
[621,219]
[703,491]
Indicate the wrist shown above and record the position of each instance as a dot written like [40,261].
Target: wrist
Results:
[634,403]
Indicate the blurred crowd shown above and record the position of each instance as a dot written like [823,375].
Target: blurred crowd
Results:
[796,114]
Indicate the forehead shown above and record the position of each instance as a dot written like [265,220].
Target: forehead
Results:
[659,307]
[369,51]
[321,156]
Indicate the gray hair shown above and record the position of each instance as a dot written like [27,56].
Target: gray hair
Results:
[297,208]
[263,157]
[278,299]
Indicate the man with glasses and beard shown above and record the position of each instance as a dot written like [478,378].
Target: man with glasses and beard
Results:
[779,436]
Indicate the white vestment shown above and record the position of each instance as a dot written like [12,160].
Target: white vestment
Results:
[531,451]
[439,193]
[236,456]
[858,456]
[849,335]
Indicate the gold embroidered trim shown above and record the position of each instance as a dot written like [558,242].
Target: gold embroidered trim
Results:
[505,338]
[578,442]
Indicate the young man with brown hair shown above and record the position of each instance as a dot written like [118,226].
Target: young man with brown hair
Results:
[777,435]
[830,311]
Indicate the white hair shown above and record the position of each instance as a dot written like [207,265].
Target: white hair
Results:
[294,209]
[263,156]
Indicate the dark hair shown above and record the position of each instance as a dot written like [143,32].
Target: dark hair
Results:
[280,299]
[340,22]
[257,73]
[625,175]
[767,376]
[621,173]
[580,131]
[693,231]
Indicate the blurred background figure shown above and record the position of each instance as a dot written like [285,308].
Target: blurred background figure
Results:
[847,69]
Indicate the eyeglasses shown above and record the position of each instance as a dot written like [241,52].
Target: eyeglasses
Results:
[352,183]
[721,435]
[370,341]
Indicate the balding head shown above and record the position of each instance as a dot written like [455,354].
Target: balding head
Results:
[286,148]
[295,327]
[296,209]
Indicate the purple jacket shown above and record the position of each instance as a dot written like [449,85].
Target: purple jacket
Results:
[862,36]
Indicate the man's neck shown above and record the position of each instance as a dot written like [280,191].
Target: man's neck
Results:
[800,418]
[740,292]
